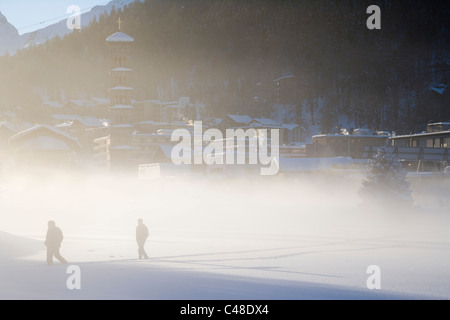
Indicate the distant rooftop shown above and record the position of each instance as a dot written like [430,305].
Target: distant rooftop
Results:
[344,136]
[240,119]
[122,70]
[120,106]
[119,37]
[439,124]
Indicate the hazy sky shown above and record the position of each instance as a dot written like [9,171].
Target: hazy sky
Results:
[30,15]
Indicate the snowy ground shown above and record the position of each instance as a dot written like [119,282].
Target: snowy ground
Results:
[308,237]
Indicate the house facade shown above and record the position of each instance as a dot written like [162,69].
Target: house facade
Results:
[350,146]
[46,146]
[436,136]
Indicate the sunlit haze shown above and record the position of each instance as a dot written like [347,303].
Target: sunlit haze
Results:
[224,150]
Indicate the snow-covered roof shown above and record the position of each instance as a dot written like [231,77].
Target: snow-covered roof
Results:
[121,88]
[267,122]
[439,124]
[64,125]
[240,119]
[345,136]
[439,88]
[65,116]
[82,103]
[89,121]
[39,127]
[48,131]
[166,103]
[122,106]
[291,127]
[119,37]
[122,126]
[147,122]
[147,101]
[289,76]
[124,147]
[53,104]
[100,100]
[122,70]
[423,134]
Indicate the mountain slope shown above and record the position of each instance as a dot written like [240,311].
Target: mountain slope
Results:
[11,41]
[9,36]
[317,59]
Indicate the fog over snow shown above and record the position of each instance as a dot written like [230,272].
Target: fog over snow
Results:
[301,237]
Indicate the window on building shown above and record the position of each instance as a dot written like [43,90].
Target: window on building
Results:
[121,99]
[436,142]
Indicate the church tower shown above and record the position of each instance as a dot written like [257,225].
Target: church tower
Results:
[120,93]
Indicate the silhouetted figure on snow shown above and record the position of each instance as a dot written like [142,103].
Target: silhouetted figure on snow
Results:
[53,243]
[141,237]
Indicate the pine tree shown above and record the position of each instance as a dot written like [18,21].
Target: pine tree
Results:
[386,181]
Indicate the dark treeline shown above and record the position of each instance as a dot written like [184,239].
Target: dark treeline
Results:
[227,54]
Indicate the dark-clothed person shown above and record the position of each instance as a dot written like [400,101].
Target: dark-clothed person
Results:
[53,242]
[141,237]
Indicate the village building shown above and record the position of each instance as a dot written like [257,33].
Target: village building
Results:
[140,132]
[86,129]
[101,156]
[44,145]
[152,141]
[235,121]
[9,129]
[348,145]
[436,136]
[159,111]
[425,151]
[138,129]
[288,133]
[122,114]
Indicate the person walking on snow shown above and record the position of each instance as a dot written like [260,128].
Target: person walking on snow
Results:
[141,237]
[53,243]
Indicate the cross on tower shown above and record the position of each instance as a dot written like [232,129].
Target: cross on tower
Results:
[119,22]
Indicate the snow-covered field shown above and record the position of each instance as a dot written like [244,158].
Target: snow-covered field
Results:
[308,237]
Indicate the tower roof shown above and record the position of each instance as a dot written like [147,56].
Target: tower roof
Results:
[119,37]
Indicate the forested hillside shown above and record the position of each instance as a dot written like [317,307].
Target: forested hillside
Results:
[227,54]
